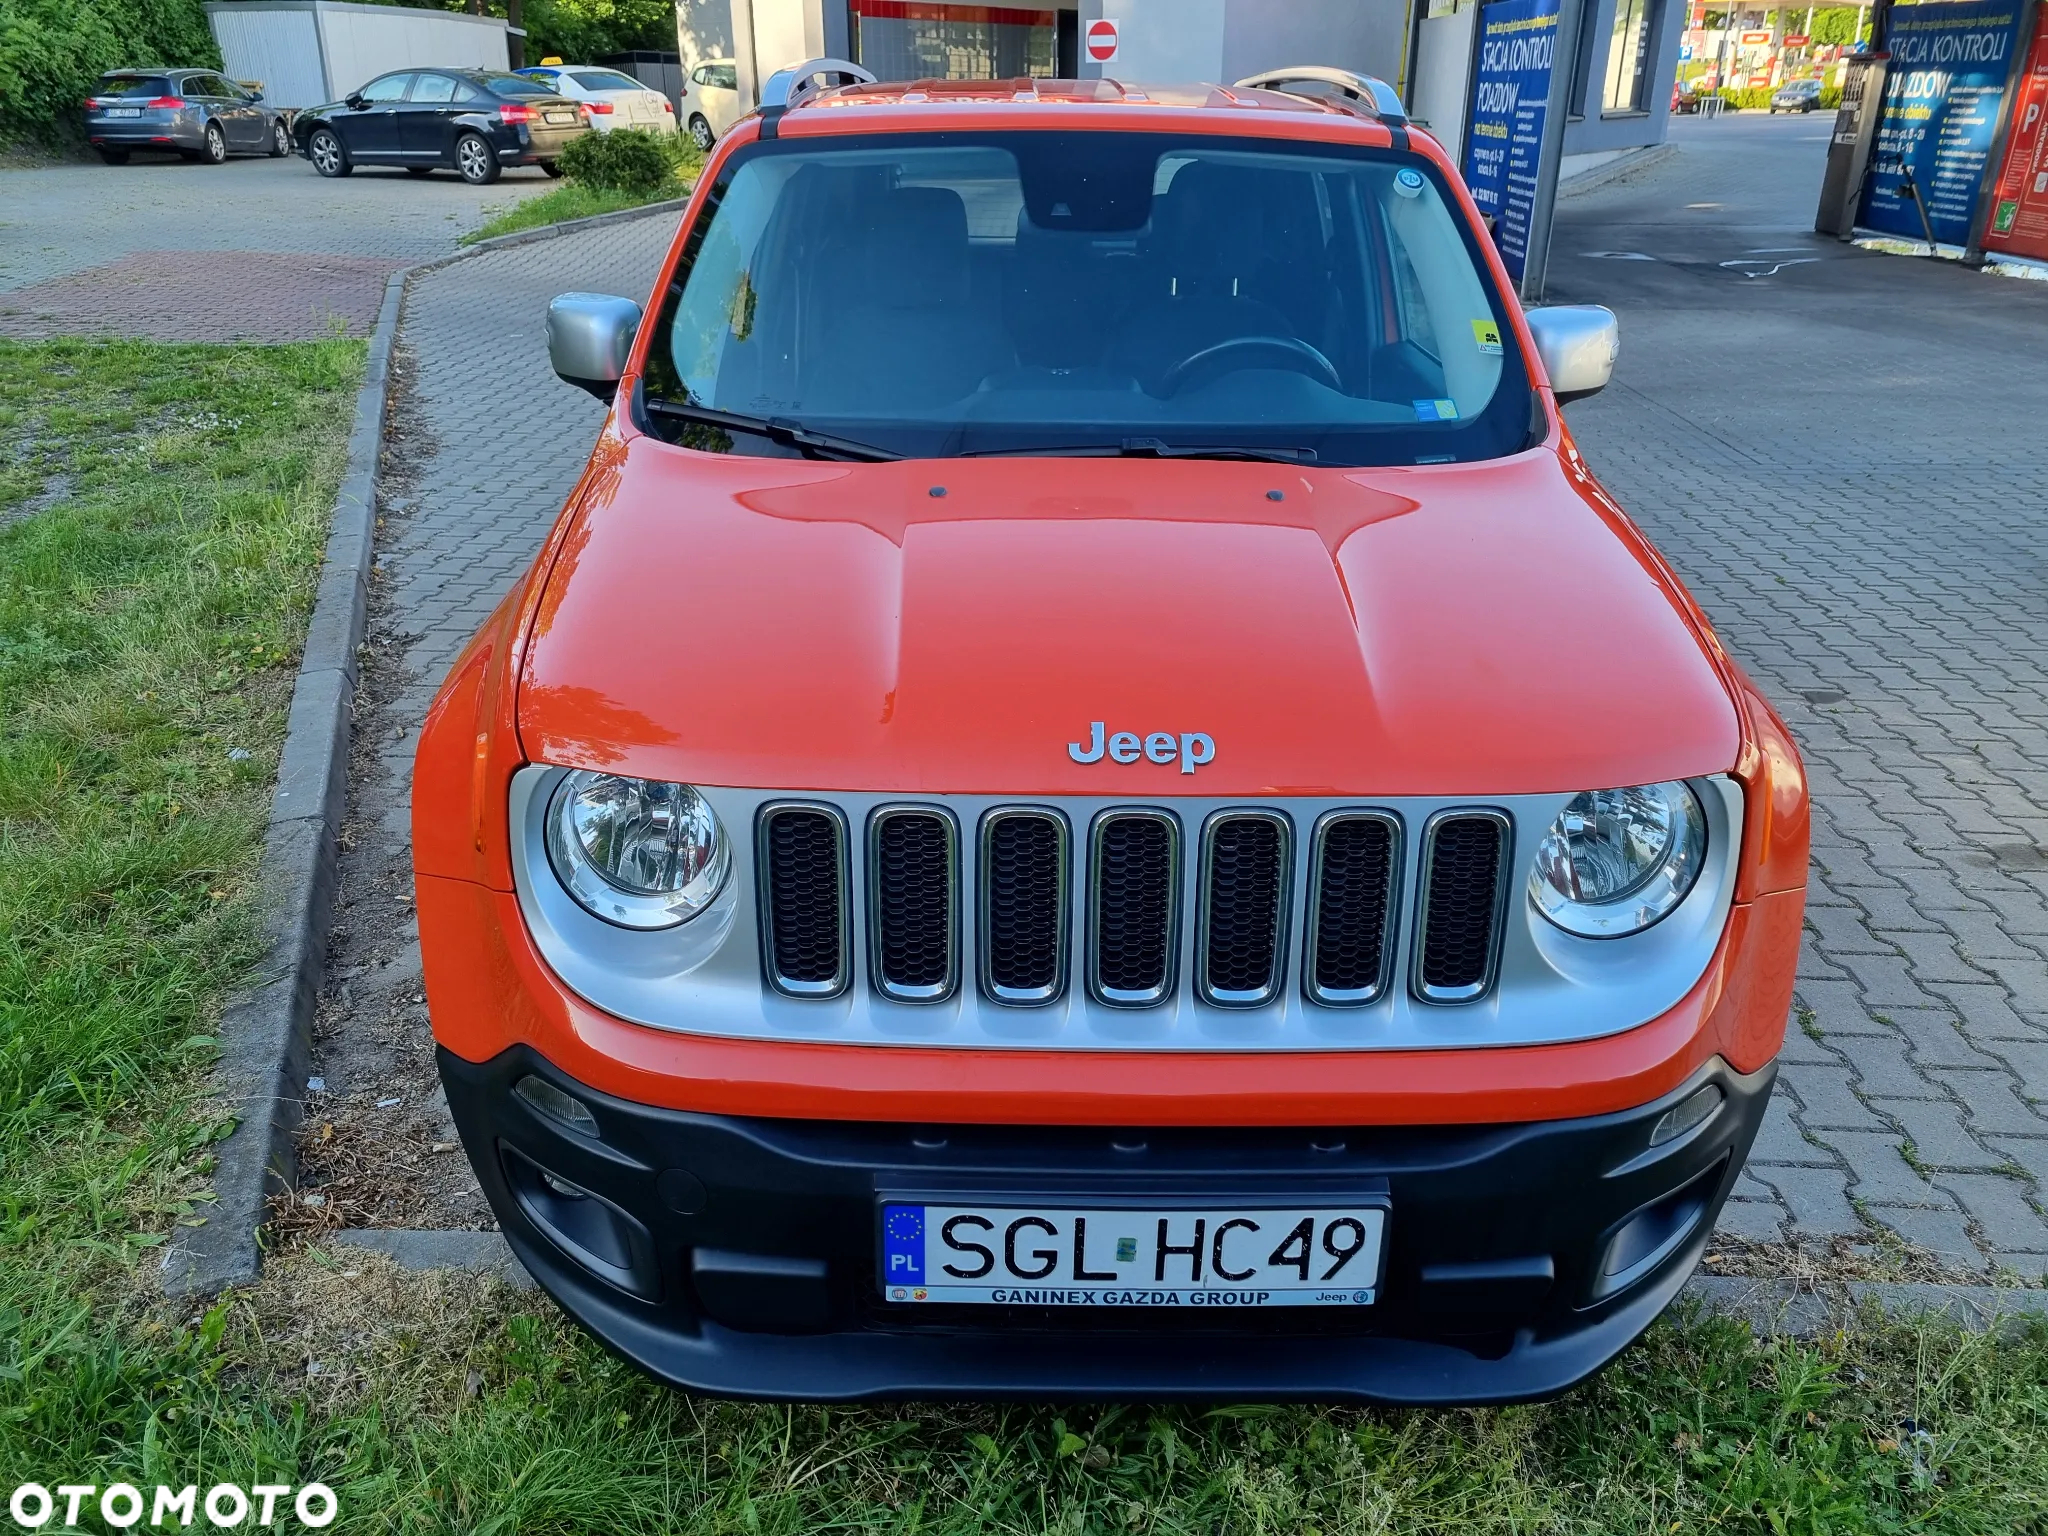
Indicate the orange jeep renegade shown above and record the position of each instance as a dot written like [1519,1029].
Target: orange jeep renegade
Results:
[1088,797]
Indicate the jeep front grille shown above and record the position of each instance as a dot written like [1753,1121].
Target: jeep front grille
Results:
[913,906]
[801,854]
[1242,936]
[1352,917]
[1034,899]
[1465,859]
[1134,893]
[1023,906]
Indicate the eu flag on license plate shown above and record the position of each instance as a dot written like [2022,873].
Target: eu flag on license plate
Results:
[903,1245]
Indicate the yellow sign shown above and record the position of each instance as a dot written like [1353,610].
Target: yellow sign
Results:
[1487,334]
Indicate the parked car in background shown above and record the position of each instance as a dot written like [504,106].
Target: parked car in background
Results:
[1796,96]
[190,112]
[473,121]
[712,100]
[609,99]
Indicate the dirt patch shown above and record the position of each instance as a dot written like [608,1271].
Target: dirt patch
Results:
[378,1148]
[1819,1261]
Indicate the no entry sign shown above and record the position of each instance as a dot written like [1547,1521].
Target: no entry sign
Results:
[1101,38]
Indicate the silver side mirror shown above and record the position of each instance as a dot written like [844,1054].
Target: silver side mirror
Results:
[1578,344]
[590,336]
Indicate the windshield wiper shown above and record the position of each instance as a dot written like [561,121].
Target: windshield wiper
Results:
[1151,448]
[777,429]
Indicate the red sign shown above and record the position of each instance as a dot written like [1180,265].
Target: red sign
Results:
[1756,39]
[1101,38]
[2019,198]
[1796,39]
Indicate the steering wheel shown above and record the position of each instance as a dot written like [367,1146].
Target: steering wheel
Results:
[1273,352]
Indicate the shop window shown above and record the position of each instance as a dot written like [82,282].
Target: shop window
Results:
[1628,57]
[918,40]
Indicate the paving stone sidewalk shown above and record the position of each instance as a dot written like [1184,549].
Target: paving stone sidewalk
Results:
[1844,462]
[1865,521]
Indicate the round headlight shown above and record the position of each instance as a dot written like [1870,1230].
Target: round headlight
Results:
[1617,860]
[637,852]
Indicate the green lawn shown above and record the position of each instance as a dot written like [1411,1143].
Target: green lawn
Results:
[573,199]
[150,613]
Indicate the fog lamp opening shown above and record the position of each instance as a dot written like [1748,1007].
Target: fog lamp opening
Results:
[1695,1110]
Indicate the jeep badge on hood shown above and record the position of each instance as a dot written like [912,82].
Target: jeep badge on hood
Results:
[1193,748]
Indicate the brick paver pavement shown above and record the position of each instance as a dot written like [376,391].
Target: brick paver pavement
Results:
[1843,456]
[205,296]
[1845,459]
[253,250]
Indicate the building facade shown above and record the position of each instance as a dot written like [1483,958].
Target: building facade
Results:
[1620,91]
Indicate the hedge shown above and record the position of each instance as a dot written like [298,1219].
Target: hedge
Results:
[51,52]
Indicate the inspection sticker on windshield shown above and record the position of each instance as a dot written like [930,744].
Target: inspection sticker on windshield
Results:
[1487,334]
[1436,410]
[1135,1256]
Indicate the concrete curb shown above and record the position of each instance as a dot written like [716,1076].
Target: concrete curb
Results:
[1614,170]
[266,1033]
[565,227]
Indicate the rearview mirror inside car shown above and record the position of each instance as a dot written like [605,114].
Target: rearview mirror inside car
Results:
[590,335]
[1578,344]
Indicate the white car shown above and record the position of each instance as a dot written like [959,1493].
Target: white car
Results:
[711,101]
[609,99]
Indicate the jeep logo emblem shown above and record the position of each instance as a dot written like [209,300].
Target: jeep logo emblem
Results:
[1193,748]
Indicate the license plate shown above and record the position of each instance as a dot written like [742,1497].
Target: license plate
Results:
[1104,1255]
[124,111]
[559,117]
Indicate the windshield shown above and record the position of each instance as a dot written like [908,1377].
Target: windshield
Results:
[1046,291]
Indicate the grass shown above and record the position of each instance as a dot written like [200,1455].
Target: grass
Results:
[149,619]
[573,199]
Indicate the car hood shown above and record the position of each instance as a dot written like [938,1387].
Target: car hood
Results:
[952,626]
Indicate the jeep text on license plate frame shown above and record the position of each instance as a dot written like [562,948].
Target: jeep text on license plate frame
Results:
[1327,1250]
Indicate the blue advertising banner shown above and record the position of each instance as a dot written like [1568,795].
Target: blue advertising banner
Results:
[1510,95]
[1950,59]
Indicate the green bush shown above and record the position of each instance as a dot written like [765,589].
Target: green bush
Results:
[625,160]
[51,52]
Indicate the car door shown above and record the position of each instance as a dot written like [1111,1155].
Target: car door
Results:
[370,127]
[718,94]
[208,93]
[250,132]
[426,122]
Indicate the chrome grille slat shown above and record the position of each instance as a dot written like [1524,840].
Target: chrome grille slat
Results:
[1354,911]
[914,903]
[801,858]
[1466,858]
[1134,895]
[1241,936]
[1024,906]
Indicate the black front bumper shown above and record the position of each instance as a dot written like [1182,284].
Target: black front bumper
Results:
[738,1256]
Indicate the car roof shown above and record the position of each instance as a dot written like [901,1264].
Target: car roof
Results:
[915,98]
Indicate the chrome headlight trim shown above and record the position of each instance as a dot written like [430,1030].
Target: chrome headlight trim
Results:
[602,893]
[1637,903]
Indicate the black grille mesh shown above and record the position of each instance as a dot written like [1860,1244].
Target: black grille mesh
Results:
[1457,934]
[913,900]
[1242,944]
[1134,904]
[806,921]
[1352,888]
[1025,914]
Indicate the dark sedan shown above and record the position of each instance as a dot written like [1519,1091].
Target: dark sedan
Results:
[1796,96]
[190,112]
[474,122]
